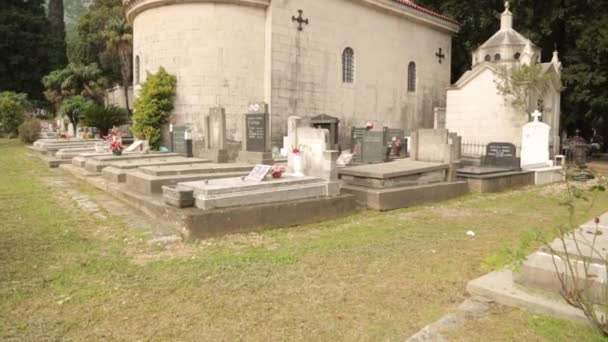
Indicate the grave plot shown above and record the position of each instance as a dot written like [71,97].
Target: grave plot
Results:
[49,148]
[499,170]
[240,191]
[98,163]
[428,176]
[117,171]
[149,180]
[400,184]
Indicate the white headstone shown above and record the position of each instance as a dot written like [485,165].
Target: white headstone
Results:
[312,142]
[535,144]
[71,129]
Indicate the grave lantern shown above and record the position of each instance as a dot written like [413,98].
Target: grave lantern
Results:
[329,123]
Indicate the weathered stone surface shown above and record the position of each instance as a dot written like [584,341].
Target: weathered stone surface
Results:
[98,163]
[498,182]
[117,171]
[149,180]
[408,196]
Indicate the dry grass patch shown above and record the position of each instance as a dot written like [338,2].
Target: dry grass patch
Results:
[372,276]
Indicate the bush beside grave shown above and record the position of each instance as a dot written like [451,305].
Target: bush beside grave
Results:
[12,111]
[29,130]
[153,106]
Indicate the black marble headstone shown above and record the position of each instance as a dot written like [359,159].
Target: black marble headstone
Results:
[501,155]
[256,132]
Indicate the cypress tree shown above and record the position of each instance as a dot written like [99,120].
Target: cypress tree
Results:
[23,46]
[58,57]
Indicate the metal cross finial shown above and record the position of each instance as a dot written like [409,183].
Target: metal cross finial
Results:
[440,55]
[300,20]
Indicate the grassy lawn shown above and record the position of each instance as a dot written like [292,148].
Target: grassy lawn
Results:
[66,274]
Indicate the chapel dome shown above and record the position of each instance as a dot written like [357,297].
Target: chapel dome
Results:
[507,45]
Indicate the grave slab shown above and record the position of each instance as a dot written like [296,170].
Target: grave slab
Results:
[497,181]
[98,163]
[117,171]
[149,180]
[233,192]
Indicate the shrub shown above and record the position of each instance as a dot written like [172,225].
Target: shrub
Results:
[103,118]
[153,106]
[12,111]
[74,106]
[29,130]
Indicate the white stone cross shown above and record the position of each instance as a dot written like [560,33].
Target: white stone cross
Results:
[537,115]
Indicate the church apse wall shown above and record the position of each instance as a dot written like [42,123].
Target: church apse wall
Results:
[307,65]
[216,51]
[231,53]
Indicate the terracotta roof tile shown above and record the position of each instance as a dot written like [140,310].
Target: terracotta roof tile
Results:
[426,10]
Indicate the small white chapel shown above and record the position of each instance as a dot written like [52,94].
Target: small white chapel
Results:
[476,109]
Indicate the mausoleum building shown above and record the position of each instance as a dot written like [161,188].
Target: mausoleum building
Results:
[384,61]
[480,113]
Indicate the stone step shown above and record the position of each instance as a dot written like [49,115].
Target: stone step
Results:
[541,271]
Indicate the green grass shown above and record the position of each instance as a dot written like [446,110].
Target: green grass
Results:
[65,274]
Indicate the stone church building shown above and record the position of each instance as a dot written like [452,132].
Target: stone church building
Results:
[480,113]
[384,61]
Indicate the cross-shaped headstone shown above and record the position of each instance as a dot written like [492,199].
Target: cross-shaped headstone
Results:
[440,55]
[300,20]
[537,115]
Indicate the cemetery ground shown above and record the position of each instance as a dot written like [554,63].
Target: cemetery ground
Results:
[76,264]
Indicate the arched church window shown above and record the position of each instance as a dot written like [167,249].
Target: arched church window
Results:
[411,77]
[517,56]
[348,65]
[136,69]
[497,57]
[488,58]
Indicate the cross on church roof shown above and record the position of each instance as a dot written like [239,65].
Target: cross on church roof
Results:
[300,20]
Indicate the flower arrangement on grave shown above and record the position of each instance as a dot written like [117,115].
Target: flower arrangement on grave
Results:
[296,151]
[277,171]
[369,126]
[116,147]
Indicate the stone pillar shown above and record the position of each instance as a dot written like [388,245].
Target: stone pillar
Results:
[215,141]
[292,131]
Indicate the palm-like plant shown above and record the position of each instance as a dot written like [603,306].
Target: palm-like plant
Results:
[103,118]
[119,37]
[75,79]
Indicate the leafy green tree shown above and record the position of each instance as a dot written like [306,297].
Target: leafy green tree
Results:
[90,47]
[119,38]
[153,106]
[74,106]
[519,83]
[75,79]
[58,57]
[23,46]
[103,118]
[12,111]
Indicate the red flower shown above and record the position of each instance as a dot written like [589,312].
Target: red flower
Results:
[296,150]
[597,220]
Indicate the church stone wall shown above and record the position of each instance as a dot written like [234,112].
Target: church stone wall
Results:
[306,74]
[216,51]
[479,114]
